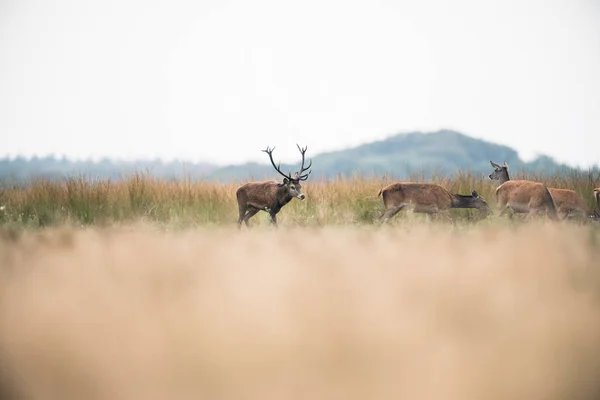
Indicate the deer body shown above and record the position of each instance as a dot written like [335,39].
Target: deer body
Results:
[521,196]
[270,196]
[569,204]
[428,198]
[266,196]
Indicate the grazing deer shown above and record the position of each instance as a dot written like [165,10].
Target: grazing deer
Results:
[271,196]
[428,198]
[521,196]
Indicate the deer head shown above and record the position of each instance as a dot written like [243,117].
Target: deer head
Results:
[292,183]
[472,201]
[500,172]
[479,202]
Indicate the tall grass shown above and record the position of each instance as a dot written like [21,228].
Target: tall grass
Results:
[341,201]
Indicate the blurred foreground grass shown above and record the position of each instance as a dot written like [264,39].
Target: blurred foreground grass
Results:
[427,312]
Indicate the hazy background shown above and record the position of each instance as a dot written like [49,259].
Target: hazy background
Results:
[219,80]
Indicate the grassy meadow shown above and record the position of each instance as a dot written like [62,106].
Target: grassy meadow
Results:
[146,289]
[344,201]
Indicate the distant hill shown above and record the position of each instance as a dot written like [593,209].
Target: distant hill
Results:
[444,152]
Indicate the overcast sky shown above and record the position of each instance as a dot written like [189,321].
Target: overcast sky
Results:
[220,80]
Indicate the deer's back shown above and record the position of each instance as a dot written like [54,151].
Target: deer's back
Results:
[258,193]
[401,193]
[523,192]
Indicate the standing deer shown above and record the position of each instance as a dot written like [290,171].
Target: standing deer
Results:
[569,204]
[428,198]
[271,196]
[521,196]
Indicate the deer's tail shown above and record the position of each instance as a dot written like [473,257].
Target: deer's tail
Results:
[380,191]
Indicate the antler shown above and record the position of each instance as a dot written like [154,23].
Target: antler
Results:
[302,169]
[269,151]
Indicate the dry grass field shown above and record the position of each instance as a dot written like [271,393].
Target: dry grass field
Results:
[146,290]
[184,204]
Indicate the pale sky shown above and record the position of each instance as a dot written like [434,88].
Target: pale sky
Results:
[218,81]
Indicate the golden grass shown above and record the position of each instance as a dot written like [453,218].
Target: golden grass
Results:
[425,312]
[182,203]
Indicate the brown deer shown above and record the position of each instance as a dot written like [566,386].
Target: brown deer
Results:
[521,196]
[428,198]
[271,196]
[569,204]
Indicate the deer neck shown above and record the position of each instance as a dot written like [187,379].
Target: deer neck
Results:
[504,177]
[283,197]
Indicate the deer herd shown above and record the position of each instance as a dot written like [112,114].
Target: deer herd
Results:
[512,196]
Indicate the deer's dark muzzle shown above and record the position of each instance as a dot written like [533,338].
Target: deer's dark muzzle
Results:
[301,197]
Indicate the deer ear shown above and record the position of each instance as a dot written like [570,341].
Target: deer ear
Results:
[505,164]
[494,164]
[474,193]
[285,181]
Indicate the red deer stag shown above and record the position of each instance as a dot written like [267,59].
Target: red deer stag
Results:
[428,198]
[521,196]
[271,196]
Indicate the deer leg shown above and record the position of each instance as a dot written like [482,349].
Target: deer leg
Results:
[536,213]
[273,218]
[446,215]
[251,212]
[433,217]
[576,215]
[389,213]
[506,210]
[436,215]
[531,216]
[242,211]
